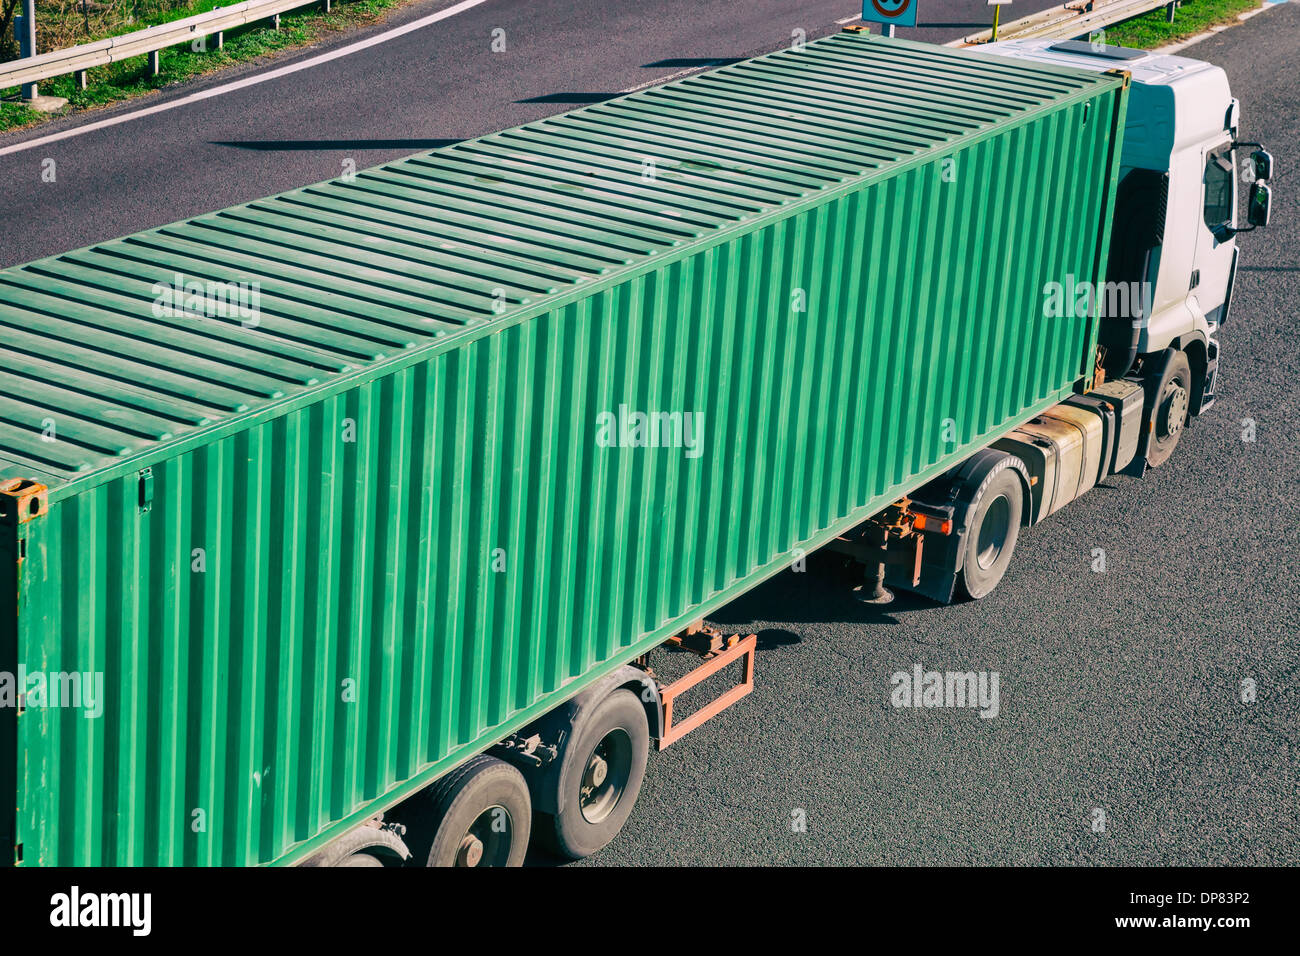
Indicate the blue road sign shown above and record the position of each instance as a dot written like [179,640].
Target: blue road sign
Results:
[899,13]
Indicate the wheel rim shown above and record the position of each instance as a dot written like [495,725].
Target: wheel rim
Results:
[488,840]
[1172,411]
[605,778]
[993,532]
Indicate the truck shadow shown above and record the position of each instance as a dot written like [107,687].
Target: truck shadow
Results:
[275,145]
[571,98]
[575,98]
[822,593]
[687,62]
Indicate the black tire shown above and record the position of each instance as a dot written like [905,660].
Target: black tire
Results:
[991,534]
[480,814]
[593,804]
[1171,398]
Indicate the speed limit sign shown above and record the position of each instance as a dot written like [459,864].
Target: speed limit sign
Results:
[896,13]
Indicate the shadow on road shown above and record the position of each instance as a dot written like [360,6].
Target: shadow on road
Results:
[683,62]
[770,638]
[271,145]
[571,98]
[821,594]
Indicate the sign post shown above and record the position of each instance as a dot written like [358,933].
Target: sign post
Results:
[891,13]
[997,9]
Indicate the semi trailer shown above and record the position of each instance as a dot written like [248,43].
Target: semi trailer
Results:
[336,527]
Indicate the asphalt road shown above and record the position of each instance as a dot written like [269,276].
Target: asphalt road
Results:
[403,96]
[1119,690]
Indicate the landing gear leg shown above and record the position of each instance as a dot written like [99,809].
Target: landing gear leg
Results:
[872,590]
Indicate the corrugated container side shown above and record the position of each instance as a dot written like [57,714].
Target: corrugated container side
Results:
[319,613]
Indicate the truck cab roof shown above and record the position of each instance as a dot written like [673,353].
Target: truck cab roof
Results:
[1174,101]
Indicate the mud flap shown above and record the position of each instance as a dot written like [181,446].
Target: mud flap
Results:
[1211,375]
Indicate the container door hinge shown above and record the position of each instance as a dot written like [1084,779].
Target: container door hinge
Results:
[146,490]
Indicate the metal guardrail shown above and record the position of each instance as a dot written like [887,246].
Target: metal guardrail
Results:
[1066,22]
[78,59]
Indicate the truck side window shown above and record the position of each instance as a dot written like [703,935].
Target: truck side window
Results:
[1218,191]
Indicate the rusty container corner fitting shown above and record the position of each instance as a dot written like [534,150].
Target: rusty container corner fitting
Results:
[340,489]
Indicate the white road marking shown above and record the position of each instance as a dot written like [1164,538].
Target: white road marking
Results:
[672,76]
[856,16]
[342,51]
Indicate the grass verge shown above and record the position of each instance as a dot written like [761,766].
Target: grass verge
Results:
[130,78]
[1196,16]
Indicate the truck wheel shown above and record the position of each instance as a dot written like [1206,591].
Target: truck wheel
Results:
[602,767]
[991,534]
[480,814]
[1169,412]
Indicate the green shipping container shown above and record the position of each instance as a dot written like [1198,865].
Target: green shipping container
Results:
[397,500]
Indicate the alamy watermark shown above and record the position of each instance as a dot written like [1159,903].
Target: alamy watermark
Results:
[977,690]
[76,690]
[1079,299]
[629,428]
[208,299]
[76,908]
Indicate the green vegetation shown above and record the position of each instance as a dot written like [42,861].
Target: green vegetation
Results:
[16,116]
[129,78]
[65,23]
[1193,17]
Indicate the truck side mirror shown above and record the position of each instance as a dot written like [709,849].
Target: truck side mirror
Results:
[1260,198]
[1263,161]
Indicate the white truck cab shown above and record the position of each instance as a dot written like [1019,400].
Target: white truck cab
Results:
[1173,236]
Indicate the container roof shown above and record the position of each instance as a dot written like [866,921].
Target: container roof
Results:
[412,255]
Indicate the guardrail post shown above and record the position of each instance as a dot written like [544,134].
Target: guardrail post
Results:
[1169,11]
[154,65]
[25,32]
[27,43]
[81,79]
[275,22]
[327,6]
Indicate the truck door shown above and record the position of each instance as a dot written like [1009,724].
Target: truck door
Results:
[1215,248]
